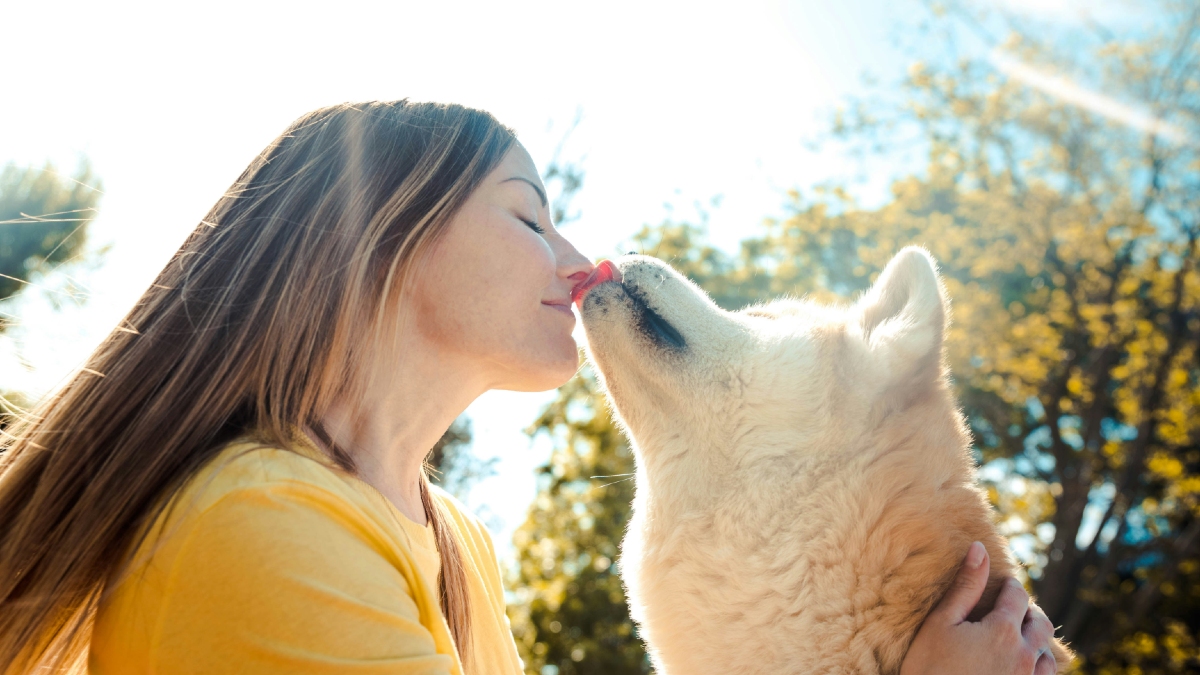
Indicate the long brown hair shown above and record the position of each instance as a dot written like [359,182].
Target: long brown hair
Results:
[260,320]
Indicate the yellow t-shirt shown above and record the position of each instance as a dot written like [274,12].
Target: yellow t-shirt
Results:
[273,560]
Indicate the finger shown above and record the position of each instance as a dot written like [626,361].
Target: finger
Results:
[967,587]
[1046,665]
[1011,604]
[1036,627]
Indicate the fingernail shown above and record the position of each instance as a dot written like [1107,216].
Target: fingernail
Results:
[975,555]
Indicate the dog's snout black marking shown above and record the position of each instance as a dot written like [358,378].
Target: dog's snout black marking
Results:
[664,331]
[653,325]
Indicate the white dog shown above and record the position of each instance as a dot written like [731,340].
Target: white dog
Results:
[805,493]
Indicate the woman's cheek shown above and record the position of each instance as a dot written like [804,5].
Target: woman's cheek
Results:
[541,258]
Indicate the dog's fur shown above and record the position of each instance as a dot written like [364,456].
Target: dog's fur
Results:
[805,492]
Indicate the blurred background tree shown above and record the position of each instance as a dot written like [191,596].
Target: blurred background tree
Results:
[569,614]
[1062,199]
[452,464]
[44,218]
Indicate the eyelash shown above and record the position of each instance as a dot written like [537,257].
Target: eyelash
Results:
[532,225]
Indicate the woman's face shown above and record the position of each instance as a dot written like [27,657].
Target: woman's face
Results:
[494,295]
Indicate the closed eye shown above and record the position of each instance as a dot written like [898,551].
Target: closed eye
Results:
[532,225]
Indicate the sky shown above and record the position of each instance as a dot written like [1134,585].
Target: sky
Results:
[679,103]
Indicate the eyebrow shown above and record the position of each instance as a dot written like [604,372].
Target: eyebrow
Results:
[540,192]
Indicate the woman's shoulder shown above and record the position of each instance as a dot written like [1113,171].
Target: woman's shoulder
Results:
[269,548]
[248,464]
[267,474]
[261,493]
[255,494]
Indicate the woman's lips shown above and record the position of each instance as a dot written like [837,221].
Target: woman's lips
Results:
[604,272]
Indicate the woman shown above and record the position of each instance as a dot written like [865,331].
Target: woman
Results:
[234,481]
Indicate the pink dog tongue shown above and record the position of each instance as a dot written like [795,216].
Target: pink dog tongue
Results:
[605,271]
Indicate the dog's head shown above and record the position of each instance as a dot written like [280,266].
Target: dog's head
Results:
[706,394]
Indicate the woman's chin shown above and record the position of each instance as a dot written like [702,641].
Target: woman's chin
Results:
[547,375]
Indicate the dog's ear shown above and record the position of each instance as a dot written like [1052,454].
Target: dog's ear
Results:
[903,317]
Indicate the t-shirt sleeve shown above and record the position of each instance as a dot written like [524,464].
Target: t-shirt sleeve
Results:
[289,578]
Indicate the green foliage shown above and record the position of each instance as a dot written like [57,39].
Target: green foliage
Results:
[452,465]
[570,612]
[43,221]
[1068,240]
[43,224]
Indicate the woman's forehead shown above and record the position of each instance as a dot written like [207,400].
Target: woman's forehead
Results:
[517,159]
[518,167]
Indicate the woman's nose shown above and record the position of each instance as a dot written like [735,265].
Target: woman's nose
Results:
[572,264]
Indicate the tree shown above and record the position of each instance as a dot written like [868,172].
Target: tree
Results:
[452,466]
[1066,228]
[43,221]
[570,612]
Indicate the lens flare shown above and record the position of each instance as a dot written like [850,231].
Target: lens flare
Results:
[1105,106]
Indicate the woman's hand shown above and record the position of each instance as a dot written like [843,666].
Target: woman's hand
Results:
[1014,639]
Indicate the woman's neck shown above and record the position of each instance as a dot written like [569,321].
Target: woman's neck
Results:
[401,417]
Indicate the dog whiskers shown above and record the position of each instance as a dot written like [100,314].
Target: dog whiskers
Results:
[630,477]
